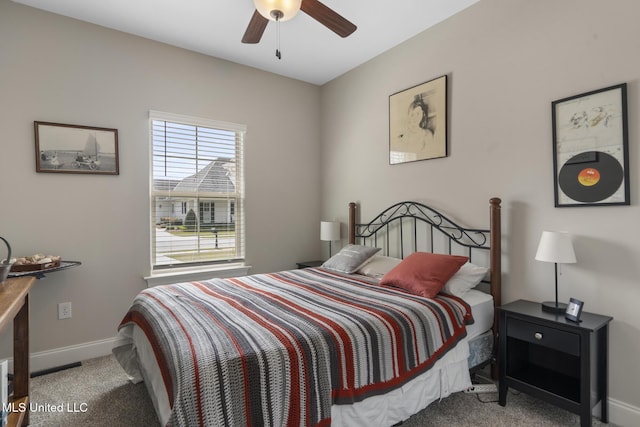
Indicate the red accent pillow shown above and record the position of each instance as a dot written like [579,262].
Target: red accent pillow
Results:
[424,273]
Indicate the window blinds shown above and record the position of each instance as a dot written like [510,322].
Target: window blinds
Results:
[197,194]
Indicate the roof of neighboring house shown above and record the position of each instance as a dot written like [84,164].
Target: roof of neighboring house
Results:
[213,178]
[165,184]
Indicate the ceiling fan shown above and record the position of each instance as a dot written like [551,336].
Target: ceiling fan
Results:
[283,10]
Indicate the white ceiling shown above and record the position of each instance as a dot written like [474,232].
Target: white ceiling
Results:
[310,52]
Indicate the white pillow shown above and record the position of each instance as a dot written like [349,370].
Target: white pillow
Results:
[468,277]
[378,266]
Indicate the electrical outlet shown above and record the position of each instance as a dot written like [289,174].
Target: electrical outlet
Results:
[64,310]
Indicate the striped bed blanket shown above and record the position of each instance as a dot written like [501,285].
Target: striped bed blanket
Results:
[279,349]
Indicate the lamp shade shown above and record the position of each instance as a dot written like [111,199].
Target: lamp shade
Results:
[287,8]
[329,230]
[556,246]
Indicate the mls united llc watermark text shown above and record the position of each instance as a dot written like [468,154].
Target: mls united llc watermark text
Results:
[45,407]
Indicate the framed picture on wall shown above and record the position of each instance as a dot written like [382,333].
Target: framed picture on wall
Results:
[79,149]
[590,148]
[418,122]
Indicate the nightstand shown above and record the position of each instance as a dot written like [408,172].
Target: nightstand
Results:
[307,264]
[554,359]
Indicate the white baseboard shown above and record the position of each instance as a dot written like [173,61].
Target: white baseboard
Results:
[622,414]
[67,355]
[4,392]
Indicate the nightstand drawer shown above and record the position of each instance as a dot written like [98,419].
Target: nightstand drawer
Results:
[541,335]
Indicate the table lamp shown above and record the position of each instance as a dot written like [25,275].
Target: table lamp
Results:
[329,231]
[555,247]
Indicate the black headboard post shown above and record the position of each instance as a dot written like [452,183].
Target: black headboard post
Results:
[496,254]
[352,223]
[496,270]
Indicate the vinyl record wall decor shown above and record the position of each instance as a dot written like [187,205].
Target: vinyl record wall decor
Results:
[590,148]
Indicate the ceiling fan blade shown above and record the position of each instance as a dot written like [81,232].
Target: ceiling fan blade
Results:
[327,17]
[255,29]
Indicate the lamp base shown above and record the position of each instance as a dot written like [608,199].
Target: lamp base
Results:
[553,307]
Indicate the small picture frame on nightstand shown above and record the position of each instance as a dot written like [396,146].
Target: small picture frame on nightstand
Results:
[574,310]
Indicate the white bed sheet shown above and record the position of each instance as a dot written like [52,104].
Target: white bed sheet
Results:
[450,374]
[481,305]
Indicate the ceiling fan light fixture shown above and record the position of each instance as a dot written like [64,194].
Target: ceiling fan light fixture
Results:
[278,10]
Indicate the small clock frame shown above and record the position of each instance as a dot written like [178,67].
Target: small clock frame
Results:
[574,310]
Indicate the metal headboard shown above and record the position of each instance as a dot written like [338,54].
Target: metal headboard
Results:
[421,222]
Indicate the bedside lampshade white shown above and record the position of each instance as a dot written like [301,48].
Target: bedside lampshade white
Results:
[329,231]
[555,247]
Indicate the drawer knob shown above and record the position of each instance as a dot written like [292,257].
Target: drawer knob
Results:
[538,335]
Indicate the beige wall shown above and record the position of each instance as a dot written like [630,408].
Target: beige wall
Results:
[62,70]
[506,60]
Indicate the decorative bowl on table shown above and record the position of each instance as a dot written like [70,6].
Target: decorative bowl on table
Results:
[35,263]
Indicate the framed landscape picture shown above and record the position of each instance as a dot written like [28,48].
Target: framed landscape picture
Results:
[418,122]
[590,148]
[62,148]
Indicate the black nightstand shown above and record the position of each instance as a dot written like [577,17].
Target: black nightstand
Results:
[307,264]
[554,359]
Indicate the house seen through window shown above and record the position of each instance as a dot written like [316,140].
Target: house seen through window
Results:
[197,195]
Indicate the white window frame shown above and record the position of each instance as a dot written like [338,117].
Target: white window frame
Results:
[224,268]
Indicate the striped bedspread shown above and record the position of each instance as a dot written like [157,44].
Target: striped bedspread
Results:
[279,349]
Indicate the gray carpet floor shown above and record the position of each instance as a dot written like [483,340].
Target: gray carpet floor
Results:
[99,394]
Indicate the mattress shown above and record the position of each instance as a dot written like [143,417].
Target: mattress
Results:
[450,374]
[482,309]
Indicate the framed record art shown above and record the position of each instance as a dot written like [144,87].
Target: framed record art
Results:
[418,122]
[590,148]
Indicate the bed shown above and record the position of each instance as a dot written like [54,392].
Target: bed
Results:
[321,346]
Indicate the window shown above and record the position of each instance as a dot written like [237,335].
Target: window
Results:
[197,194]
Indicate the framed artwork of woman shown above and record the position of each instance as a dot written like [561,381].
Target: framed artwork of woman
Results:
[418,122]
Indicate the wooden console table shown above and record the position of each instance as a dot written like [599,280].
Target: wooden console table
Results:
[14,306]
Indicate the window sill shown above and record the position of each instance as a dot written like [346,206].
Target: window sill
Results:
[192,274]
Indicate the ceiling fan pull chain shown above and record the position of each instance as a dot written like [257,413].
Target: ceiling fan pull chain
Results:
[278,53]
